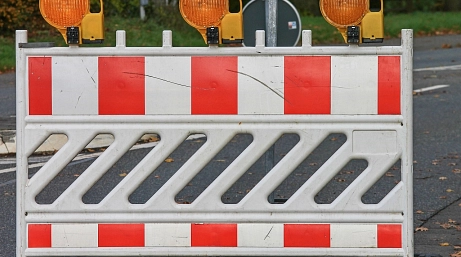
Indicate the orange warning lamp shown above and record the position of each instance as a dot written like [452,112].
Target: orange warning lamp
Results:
[359,21]
[74,20]
[213,20]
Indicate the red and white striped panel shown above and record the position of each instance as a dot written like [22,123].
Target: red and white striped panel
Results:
[333,235]
[221,85]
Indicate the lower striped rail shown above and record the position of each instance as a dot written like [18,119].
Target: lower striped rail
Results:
[250,235]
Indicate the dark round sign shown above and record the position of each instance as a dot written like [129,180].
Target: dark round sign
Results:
[288,22]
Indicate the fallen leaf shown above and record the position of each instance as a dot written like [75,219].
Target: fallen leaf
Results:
[452,164]
[443,178]
[450,190]
[457,171]
[446,226]
[456,247]
[443,197]
[90,150]
[458,254]
[419,212]
[390,174]
[444,244]
[446,46]
[435,162]
[169,160]
[452,221]
[153,139]
[123,174]
[422,229]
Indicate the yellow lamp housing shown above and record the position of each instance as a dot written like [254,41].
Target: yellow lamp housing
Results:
[74,20]
[358,21]
[213,20]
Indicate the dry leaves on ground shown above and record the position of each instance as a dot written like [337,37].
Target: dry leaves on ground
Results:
[422,229]
[458,254]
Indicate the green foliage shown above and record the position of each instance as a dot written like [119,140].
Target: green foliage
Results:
[20,14]
[168,17]
[124,8]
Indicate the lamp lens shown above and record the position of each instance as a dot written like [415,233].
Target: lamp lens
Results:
[204,13]
[343,13]
[64,13]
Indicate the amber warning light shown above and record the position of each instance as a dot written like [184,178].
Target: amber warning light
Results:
[213,20]
[359,21]
[74,20]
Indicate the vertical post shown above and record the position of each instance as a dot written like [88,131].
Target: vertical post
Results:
[120,39]
[271,41]
[271,22]
[21,159]
[407,157]
[142,11]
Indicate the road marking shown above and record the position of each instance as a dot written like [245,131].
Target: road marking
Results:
[440,68]
[429,88]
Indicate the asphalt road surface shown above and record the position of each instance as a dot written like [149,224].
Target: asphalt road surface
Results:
[437,154]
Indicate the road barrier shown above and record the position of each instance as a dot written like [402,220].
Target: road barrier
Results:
[364,93]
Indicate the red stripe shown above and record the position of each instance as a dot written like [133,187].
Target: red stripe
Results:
[307,235]
[389,85]
[121,235]
[214,235]
[40,86]
[307,85]
[121,85]
[214,85]
[39,236]
[389,236]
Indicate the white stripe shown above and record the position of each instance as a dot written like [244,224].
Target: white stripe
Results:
[163,235]
[168,85]
[260,235]
[74,235]
[75,85]
[441,68]
[260,85]
[353,236]
[430,88]
[354,85]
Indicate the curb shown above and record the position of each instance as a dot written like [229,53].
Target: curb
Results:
[55,142]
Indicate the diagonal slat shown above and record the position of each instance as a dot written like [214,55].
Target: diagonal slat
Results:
[303,199]
[71,198]
[211,197]
[258,195]
[57,163]
[164,198]
[117,199]
[351,197]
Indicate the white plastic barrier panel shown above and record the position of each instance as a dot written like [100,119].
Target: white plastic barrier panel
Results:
[364,93]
